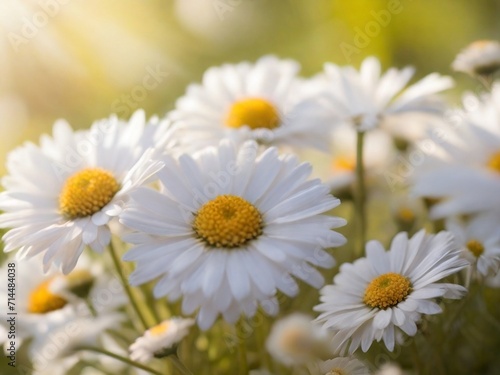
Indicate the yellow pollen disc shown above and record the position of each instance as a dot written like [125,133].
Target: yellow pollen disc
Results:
[406,214]
[253,112]
[86,192]
[480,44]
[494,162]
[297,342]
[475,247]
[42,300]
[159,329]
[336,371]
[387,290]
[344,164]
[228,221]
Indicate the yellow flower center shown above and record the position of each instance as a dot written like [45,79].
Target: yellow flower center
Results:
[475,247]
[42,300]
[335,371]
[159,329]
[480,44]
[228,221]
[86,192]
[297,342]
[254,113]
[343,163]
[406,214]
[387,290]
[494,162]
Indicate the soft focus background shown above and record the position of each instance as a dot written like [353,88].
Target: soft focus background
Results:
[85,59]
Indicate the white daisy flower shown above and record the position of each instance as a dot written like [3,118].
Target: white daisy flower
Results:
[463,172]
[248,101]
[62,196]
[295,340]
[481,57]
[229,228]
[365,98]
[343,366]
[390,369]
[157,340]
[480,240]
[375,295]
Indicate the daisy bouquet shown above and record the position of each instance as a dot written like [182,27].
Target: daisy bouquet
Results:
[345,223]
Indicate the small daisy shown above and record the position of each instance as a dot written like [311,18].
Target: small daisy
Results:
[391,289]
[343,366]
[62,195]
[481,57]
[480,240]
[294,340]
[248,101]
[157,340]
[365,98]
[390,369]
[229,228]
[463,172]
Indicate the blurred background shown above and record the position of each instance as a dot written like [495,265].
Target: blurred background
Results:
[84,59]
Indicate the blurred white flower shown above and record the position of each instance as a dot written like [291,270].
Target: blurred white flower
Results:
[463,171]
[40,309]
[389,290]
[365,99]
[377,156]
[229,228]
[62,195]
[56,352]
[157,340]
[481,57]
[36,306]
[390,369]
[295,340]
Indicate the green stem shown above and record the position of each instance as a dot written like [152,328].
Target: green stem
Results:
[126,286]
[91,307]
[360,196]
[242,349]
[260,337]
[486,81]
[120,358]
[179,365]
[416,357]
